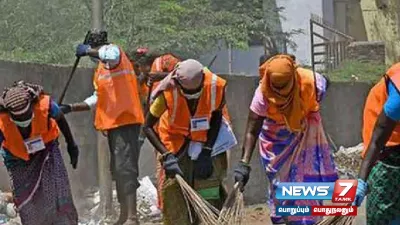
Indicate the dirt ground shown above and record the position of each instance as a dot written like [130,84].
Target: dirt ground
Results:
[255,215]
[259,215]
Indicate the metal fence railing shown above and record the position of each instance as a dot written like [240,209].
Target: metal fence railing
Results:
[328,45]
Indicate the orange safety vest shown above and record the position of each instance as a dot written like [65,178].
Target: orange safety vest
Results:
[42,126]
[175,123]
[374,105]
[118,101]
[164,63]
[308,94]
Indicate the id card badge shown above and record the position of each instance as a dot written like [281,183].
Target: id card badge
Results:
[199,124]
[34,145]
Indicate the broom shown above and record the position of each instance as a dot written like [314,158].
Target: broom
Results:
[206,213]
[233,208]
[338,220]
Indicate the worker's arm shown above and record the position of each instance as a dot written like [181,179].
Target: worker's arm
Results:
[62,123]
[322,85]
[256,116]
[86,105]
[384,127]
[253,129]
[109,54]
[255,121]
[157,76]
[381,134]
[169,160]
[157,108]
[73,151]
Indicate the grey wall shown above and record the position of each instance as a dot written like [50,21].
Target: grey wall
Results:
[242,61]
[341,113]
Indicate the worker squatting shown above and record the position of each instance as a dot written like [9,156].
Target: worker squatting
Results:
[181,107]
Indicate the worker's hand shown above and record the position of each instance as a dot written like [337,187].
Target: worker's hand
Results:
[203,166]
[82,50]
[73,152]
[66,108]
[242,174]
[362,189]
[171,165]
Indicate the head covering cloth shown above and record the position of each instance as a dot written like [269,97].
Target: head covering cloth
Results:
[18,98]
[188,74]
[280,87]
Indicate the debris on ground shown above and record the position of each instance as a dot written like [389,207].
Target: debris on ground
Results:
[348,161]
[146,206]
[8,214]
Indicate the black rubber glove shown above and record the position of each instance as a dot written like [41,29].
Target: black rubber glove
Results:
[203,166]
[242,174]
[65,108]
[171,165]
[73,152]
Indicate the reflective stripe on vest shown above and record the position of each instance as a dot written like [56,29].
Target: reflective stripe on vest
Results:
[118,101]
[115,74]
[158,63]
[213,98]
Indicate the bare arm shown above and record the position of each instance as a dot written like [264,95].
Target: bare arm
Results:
[151,134]
[81,106]
[94,53]
[253,129]
[381,134]
[65,129]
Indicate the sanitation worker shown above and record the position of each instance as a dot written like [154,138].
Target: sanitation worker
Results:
[189,105]
[284,117]
[118,114]
[380,168]
[30,122]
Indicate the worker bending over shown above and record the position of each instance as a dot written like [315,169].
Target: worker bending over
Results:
[189,105]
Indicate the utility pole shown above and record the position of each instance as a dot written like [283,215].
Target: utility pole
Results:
[97,14]
[230,58]
[103,157]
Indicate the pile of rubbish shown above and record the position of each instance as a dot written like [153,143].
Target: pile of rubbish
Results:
[8,214]
[90,213]
[348,161]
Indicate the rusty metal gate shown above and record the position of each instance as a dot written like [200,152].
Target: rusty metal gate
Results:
[328,45]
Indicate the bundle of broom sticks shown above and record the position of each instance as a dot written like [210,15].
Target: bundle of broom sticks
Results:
[231,213]
[233,208]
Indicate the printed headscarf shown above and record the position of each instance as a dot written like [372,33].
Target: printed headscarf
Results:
[18,98]
[280,87]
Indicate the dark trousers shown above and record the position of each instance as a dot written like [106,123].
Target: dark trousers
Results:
[124,160]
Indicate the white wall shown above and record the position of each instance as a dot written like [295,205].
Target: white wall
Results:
[297,14]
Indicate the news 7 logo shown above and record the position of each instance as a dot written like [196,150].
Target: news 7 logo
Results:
[344,191]
[341,191]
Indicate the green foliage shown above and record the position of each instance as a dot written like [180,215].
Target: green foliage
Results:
[47,31]
[358,71]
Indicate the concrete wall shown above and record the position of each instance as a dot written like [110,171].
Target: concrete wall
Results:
[366,51]
[341,112]
[349,19]
[382,24]
[238,61]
